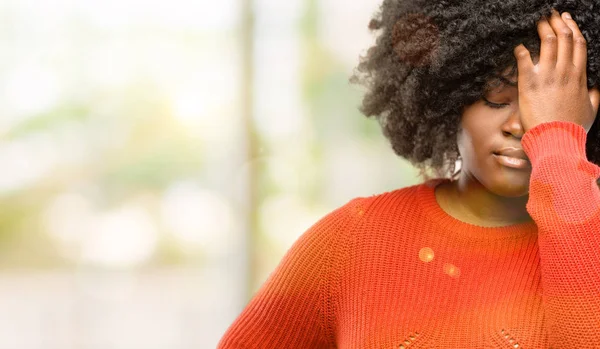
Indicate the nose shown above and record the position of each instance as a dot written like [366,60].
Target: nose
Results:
[513,126]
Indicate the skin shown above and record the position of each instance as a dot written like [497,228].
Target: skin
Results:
[551,87]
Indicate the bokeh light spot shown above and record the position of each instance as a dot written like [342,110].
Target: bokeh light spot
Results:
[451,270]
[426,254]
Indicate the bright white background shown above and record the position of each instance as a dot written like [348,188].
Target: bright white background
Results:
[125,176]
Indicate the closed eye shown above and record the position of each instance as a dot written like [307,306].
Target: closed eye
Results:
[494,105]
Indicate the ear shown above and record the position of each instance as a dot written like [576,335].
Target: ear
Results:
[594,98]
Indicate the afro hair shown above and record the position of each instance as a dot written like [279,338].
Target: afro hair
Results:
[432,58]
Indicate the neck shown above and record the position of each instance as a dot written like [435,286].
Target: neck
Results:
[469,201]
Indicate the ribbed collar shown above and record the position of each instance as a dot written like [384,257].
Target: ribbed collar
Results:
[448,224]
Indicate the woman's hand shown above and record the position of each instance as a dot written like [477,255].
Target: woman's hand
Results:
[555,89]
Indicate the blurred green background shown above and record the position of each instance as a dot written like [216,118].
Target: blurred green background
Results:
[159,157]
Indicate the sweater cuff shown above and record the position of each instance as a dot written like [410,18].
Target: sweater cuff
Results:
[554,138]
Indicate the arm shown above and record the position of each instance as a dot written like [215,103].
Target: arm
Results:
[292,309]
[564,201]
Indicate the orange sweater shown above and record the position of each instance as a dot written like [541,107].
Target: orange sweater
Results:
[395,271]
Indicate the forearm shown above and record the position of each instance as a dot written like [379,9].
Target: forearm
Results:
[564,201]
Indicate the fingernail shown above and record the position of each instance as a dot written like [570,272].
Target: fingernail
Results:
[567,15]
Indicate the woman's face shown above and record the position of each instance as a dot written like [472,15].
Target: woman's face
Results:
[487,127]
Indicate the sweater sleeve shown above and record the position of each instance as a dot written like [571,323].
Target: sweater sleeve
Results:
[564,202]
[292,308]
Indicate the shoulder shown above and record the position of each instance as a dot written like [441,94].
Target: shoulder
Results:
[396,201]
[379,217]
[368,214]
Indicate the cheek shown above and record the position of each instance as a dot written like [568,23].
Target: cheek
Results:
[473,145]
[476,133]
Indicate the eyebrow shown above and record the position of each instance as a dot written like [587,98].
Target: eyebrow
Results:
[507,82]
[498,81]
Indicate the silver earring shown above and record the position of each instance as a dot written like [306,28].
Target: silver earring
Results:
[456,172]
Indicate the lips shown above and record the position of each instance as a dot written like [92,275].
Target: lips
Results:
[517,153]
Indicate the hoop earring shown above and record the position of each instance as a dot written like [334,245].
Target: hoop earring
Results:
[457,172]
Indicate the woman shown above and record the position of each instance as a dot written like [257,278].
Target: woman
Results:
[504,253]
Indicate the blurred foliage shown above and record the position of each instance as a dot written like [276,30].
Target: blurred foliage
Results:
[132,145]
[67,112]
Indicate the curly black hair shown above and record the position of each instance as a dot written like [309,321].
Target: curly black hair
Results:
[432,58]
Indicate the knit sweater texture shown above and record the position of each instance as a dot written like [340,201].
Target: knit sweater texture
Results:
[394,270]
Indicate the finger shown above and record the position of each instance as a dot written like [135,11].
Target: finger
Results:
[579,43]
[565,41]
[548,47]
[524,62]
